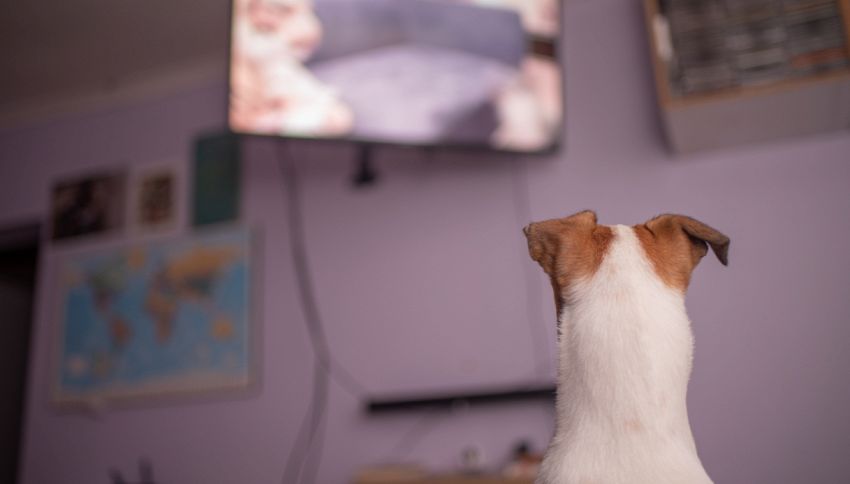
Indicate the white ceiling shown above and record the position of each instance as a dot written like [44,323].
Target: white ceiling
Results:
[72,53]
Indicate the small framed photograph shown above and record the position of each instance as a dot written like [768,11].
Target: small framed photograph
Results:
[88,205]
[156,197]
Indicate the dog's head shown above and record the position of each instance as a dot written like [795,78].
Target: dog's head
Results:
[571,249]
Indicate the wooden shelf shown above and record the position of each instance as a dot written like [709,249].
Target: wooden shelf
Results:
[752,113]
[756,90]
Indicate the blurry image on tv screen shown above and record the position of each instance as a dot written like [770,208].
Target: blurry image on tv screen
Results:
[422,72]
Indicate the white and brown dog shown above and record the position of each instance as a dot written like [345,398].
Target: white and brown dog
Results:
[625,349]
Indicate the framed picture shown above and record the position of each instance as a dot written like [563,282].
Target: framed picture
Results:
[157,197]
[88,205]
[158,318]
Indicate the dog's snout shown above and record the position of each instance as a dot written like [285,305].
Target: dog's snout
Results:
[527,230]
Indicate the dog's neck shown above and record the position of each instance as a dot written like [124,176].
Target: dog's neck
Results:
[624,354]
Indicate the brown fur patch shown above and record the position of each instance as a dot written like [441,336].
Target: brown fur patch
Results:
[568,249]
[675,244]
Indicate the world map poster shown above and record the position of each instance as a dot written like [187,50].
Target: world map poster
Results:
[158,318]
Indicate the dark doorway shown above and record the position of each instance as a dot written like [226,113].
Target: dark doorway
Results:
[18,264]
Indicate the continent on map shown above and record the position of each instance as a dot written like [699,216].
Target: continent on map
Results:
[189,277]
[106,282]
[161,303]
[119,331]
[192,275]
[222,329]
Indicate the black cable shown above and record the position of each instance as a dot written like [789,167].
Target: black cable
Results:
[534,315]
[297,457]
[310,468]
[416,433]
[319,403]
[302,271]
[316,406]
[309,440]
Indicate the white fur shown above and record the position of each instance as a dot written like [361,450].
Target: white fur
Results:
[625,359]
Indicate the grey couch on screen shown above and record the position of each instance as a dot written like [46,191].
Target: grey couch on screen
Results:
[418,71]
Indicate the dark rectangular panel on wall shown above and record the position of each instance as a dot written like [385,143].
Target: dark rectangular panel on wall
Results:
[215,179]
[378,405]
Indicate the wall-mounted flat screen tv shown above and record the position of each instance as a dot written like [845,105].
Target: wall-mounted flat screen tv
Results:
[480,73]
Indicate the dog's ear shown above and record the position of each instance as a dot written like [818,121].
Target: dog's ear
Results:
[676,244]
[699,234]
[568,248]
[551,239]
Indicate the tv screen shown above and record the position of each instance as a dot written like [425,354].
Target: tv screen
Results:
[412,72]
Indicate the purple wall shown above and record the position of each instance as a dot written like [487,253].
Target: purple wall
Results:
[422,284]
